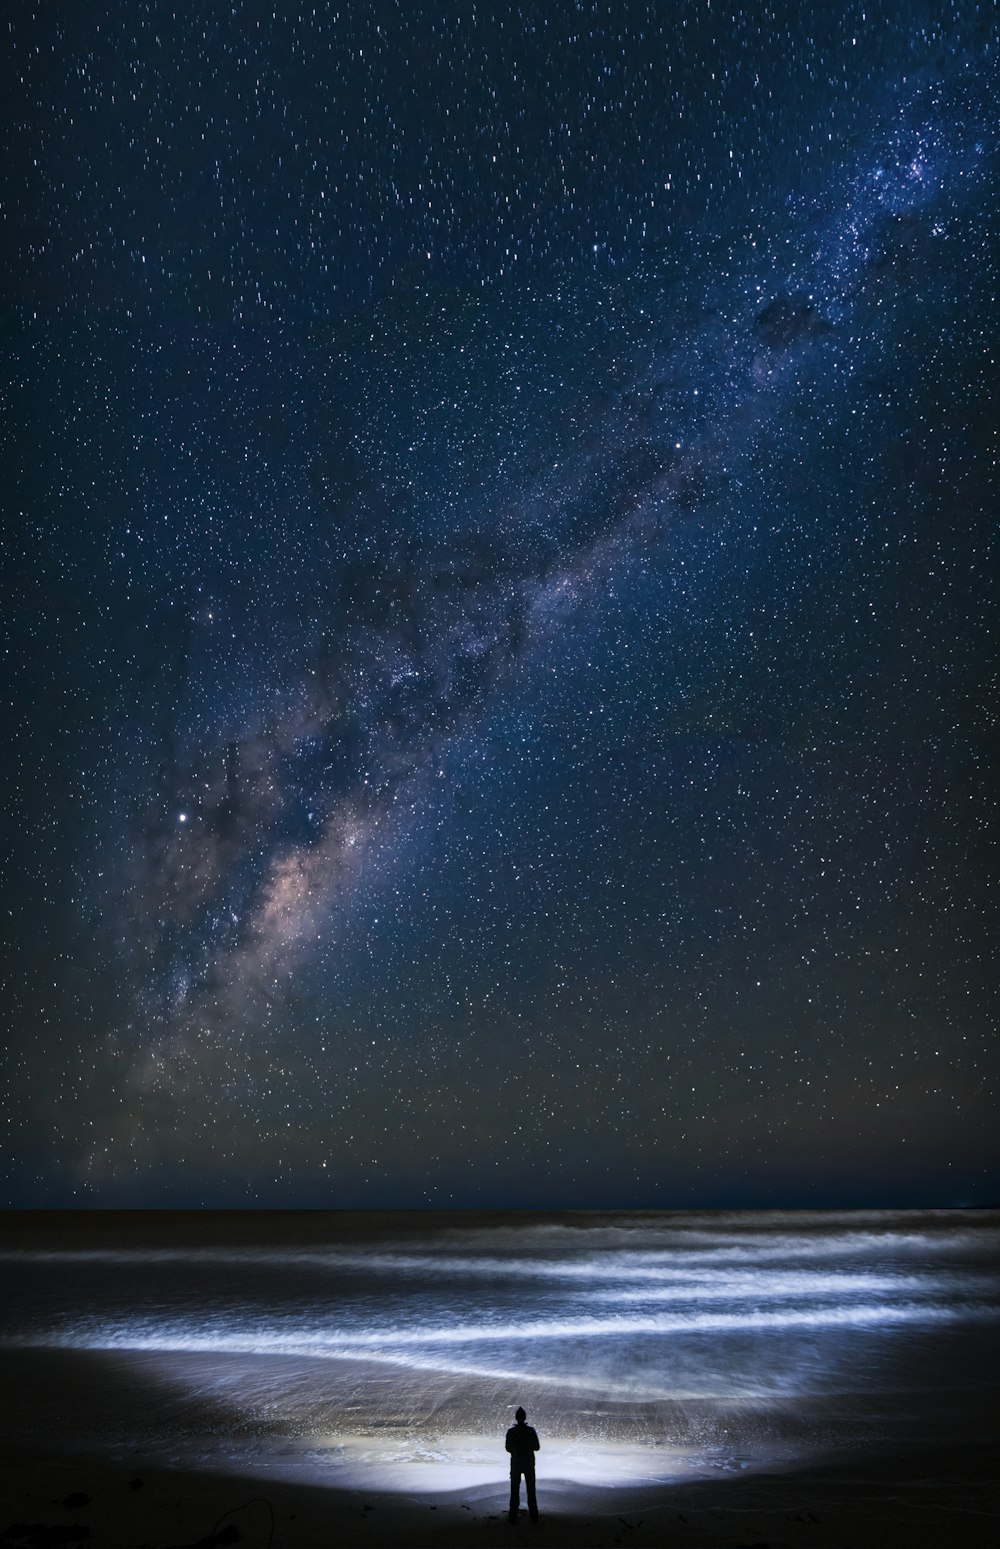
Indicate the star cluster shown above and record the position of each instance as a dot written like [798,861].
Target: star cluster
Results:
[502,587]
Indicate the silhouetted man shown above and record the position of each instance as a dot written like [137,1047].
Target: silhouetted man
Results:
[522,1444]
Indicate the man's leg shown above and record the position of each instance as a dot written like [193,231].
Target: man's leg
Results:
[529,1485]
[515,1492]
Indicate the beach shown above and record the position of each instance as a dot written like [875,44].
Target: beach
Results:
[946,1498]
[315,1380]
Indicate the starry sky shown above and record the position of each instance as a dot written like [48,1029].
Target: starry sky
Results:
[500,603]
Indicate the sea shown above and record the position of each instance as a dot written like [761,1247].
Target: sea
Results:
[389,1350]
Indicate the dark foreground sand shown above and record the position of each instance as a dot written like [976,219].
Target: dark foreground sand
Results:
[946,1500]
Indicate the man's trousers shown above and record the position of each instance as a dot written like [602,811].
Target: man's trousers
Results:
[528,1470]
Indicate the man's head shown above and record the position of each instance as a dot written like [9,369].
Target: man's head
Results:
[520,1416]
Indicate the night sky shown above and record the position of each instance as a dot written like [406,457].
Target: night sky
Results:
[500,603]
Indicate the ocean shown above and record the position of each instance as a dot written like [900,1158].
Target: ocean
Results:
[389,1350]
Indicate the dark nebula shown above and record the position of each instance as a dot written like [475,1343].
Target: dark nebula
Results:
[789,320]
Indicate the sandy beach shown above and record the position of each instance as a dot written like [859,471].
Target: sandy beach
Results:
[69,1493]
[910,1501]
[799,1383]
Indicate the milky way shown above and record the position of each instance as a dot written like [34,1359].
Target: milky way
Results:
[523,670]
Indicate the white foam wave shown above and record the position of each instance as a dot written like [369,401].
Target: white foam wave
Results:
[341,1343]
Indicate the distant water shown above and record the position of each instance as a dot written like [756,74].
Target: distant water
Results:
[392,1349]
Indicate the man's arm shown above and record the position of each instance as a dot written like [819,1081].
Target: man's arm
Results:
[536,1443]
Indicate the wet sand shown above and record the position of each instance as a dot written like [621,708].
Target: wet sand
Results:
[62,1490]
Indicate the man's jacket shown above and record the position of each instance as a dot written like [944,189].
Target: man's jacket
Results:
[522,1444]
